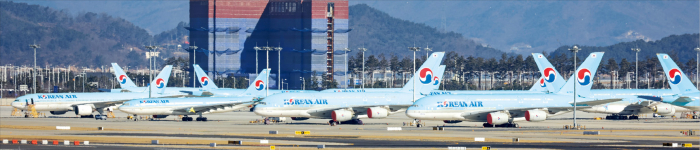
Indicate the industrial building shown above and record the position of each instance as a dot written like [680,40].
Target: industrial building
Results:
[311,33]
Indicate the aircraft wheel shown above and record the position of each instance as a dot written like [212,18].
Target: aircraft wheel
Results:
[199,119]
[332,123]
[204,119]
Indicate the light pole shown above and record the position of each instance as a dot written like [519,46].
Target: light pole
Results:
[575,49]
[267,63]
[34,46]
[346,67]
[279,67]
[303,83]
[150,71]
[636,67]
[363,67]
[697,65]
[427,52]
[414,49]
[256,58]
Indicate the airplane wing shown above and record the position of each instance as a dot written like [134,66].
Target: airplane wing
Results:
[359,110]
[520,112]
[104,104]
[212,107]
[597,102]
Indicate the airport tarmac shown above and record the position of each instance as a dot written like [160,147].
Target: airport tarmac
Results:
[120,133]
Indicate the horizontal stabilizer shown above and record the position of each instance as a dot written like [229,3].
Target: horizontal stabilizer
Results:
[682,101]
[596,102]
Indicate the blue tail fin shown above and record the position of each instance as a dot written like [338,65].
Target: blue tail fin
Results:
[124,81]
[539,86]
[203,79]
[425,74]
[677,80]
[584,76]
[438,73]
[158,85]
[551,76]
[259,85]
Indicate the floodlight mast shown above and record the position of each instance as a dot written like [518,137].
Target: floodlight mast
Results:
[279,66]
[363,67]
[575,49]
[194,62]
[34,46]
[346,50]
[636,66]
[151,66]
[414,49]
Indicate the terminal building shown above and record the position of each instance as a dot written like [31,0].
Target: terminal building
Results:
[310,33]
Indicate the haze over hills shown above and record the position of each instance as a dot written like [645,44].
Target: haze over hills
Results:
[535,26]
[154,16]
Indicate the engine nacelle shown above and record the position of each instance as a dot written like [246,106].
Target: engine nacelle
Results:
[497,118]
[535,115]
[160,116]
[377,112]
[82,110]
[451,121]
[58,112]
[341,115]
[664,110]
[300,118]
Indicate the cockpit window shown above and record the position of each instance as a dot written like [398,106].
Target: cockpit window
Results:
[16,100]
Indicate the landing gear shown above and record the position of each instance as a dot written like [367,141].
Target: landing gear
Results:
[87,116]
[354,121]
[188,118]
[510,125]
[620,117]
[333,122]
[200,118]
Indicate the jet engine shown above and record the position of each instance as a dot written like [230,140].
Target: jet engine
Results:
[300,118]
[377,112]
[664,110]
[160,116]
[497,118]
[535,115]
[58,112]
[82,110]
[451,121]
[341,115]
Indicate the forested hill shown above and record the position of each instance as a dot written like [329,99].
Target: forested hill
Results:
[680,47]
[381,33]
[85,39]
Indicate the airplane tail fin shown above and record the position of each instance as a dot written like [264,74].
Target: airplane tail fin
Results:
[158,85]
[436,84]
[258,86]
[551,76]
[124,81]
[203,79]
[425,73]
[539,86]
[584,76]
[678,81]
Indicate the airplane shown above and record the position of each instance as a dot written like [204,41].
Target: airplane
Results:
[209,89]
[84,104]
[687,96]
[631,106]
[162,107]
[127,85]
[351,107]
[503,110]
